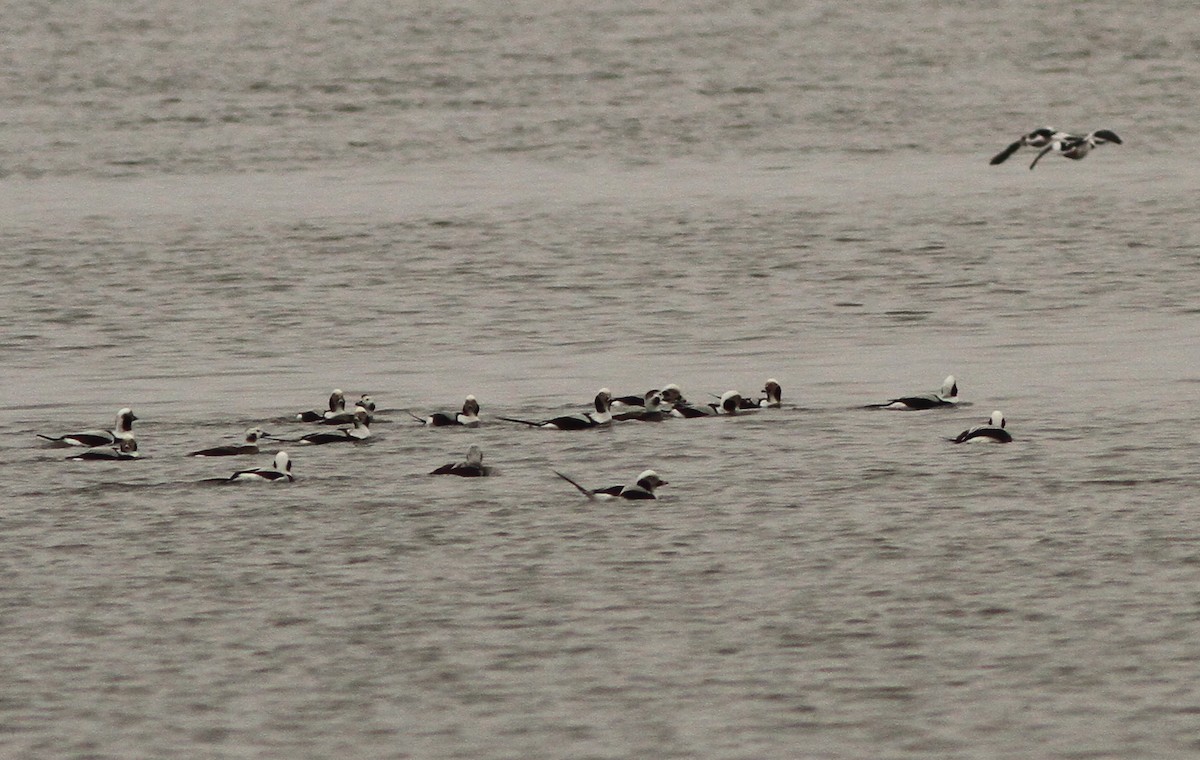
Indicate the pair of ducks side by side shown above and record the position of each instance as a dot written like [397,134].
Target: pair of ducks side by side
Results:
[336,414]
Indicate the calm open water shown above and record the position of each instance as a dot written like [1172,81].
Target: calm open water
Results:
[217,212]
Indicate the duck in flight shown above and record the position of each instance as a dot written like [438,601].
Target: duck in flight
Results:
[1038,138]
[1076,147]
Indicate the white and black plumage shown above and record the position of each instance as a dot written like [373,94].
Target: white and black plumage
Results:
[468,417]
[279,472]
[946,397]
[337,405]
[1076,147]
[250,446]
[1038,138]
[651,410]
[730,403]
[582,421]
[93,438]
[472,468]
[632,402]
[127,448]
[642,488]
[672,396]
[992,431]
[368,403]
[360,432]
[772,400]
[365,405]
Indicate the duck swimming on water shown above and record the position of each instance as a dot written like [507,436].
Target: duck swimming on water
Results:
[992,431]
[946,397]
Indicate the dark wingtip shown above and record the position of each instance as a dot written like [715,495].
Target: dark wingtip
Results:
[1003,155]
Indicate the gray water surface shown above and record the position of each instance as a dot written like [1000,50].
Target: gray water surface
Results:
[216,213]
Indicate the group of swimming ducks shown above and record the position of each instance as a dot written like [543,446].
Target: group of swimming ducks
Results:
[353,426]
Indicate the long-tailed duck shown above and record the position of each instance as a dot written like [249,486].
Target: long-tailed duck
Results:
[1038,138]
[472,468]
[642,488]
[651,410]
[360,432]
[581,421]
[730,403]
[468,417]
[1076,147]
[946,397]
[772,400]
[127,448]
[280,471]
[250,446]
[992,431]
[337,405]
[92,438]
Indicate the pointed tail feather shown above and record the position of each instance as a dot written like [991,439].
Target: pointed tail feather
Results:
[523,422]
[591,496]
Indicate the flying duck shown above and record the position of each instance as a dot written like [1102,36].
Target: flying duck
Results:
[1076,147]
[1038,138]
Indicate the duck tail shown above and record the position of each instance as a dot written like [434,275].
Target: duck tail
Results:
[591,496]
[523,422]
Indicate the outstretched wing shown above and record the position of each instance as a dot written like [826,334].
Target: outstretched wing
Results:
[1003,155]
